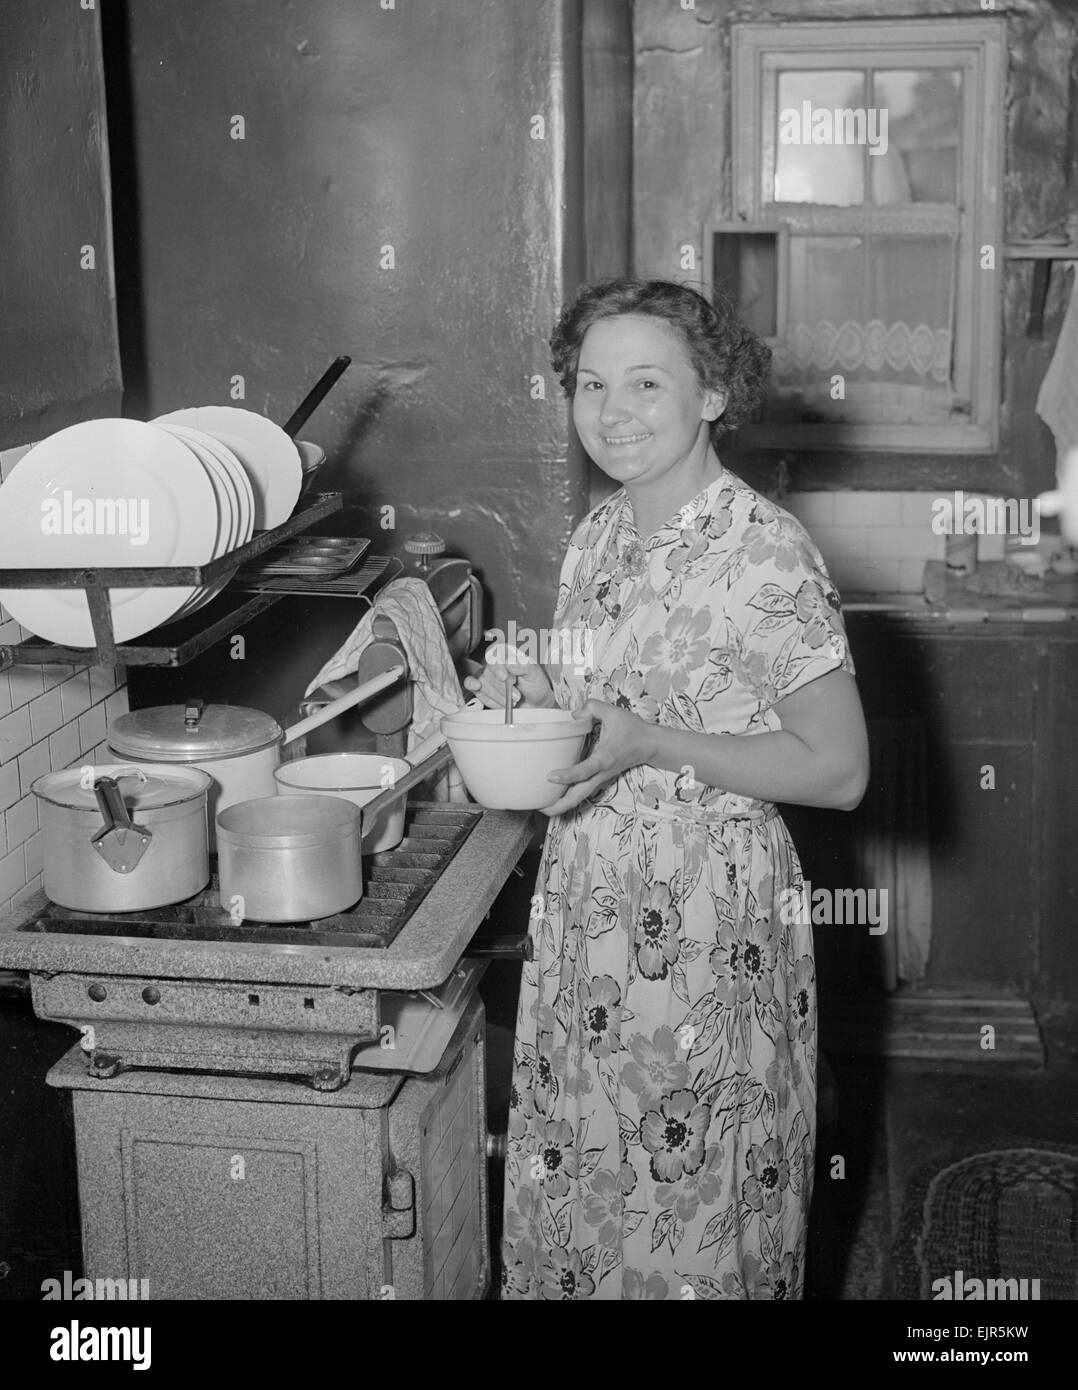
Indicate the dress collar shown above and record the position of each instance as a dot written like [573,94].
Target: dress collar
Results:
[683,519]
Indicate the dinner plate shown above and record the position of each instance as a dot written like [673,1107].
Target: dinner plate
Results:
[268,454]
[227,506]
[68,504]
[241,481]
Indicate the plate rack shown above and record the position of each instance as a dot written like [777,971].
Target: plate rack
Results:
[182,641]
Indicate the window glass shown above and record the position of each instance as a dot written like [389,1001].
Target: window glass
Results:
[820,137]
[924,119]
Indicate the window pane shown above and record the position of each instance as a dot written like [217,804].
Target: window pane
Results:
[875,311]
[818,156]
[924,119]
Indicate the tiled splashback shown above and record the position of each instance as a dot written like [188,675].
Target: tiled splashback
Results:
[876,542]
[51,717]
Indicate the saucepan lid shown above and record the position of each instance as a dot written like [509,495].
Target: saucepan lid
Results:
[144,788]
[193,732]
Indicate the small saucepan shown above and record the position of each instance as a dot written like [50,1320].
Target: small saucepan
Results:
[363,778]
[289,858]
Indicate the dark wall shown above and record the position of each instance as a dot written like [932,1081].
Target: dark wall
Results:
[59,359]
[261,257]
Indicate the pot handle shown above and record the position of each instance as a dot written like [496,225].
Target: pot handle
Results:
[121,843]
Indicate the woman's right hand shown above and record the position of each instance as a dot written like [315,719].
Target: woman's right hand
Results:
[532,682]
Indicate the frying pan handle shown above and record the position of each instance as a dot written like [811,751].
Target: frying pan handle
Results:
[316,395]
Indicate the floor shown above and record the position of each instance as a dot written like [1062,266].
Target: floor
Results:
[894,1121]
[889,1122]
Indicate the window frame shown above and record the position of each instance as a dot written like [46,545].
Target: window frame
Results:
[976,46]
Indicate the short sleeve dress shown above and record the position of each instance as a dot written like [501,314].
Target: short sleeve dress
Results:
[662,1117]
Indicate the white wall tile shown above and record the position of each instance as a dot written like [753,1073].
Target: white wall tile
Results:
[917,508]
[868,508]
[46,714]
[12,873]
[5,696]
[15,736]
[10,789]
[64,746]
[102,681]
[56,673]
[904,543]
[75,696]
[34,763]
[92,726]
[841,542]
[116,704]
[34,886]
[811,508]
[21,821]
[33,850]
[25,684]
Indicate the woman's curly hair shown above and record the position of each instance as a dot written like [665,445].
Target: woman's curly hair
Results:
[723,352]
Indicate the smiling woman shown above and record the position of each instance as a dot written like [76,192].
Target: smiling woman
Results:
[662,1124]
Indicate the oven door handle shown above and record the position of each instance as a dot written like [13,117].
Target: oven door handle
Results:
[398,1209]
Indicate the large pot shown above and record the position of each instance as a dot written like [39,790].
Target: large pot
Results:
[239,747]
[123,839]
[289,858]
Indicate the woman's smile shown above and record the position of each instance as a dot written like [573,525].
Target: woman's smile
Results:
[617,440]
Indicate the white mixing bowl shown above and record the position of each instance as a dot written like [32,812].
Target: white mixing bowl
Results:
[506,766]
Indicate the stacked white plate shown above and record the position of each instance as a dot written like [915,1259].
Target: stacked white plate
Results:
[184,490]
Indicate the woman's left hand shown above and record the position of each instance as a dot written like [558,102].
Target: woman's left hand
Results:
[625,741]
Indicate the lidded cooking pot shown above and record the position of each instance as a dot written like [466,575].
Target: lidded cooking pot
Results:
[238,747]
[123,839]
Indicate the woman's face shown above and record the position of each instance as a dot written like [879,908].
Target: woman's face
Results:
[639,408]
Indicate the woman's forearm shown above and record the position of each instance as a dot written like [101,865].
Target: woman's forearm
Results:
[777,766]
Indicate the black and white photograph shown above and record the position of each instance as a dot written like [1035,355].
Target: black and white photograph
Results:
[538,667]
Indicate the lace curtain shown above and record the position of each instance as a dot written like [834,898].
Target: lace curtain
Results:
[877,310]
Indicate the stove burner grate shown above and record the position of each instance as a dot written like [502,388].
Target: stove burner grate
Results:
[395,883]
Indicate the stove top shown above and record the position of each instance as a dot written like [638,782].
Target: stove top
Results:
[395,883]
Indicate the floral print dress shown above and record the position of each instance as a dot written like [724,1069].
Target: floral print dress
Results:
[662,1118]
